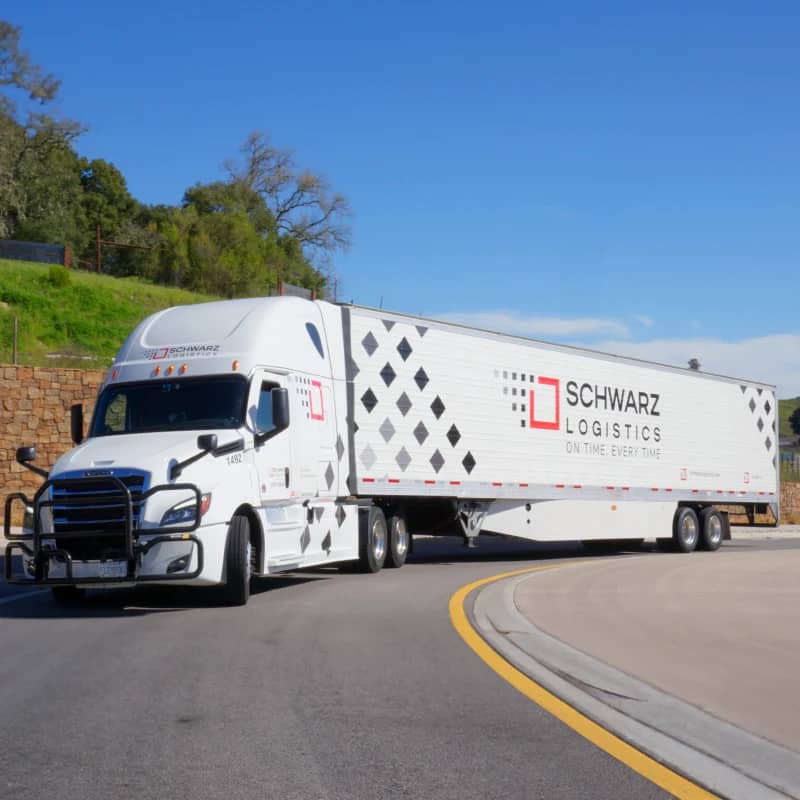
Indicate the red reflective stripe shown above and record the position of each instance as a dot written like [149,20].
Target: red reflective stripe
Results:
[430,482]
[559,486]
[394,480]
[523,484]
[626,488]
[495,483]
[368,480]
[667,490]
[455,483]
[654,489]
[577,486]
[610,488]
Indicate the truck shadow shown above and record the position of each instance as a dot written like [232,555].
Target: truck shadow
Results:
[132,602]
[489,549]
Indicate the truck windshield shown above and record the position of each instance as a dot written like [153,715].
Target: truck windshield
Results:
[171,405]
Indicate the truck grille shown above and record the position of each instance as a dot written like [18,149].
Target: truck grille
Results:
[95,505]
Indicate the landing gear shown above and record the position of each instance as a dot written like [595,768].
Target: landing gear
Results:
[472,515]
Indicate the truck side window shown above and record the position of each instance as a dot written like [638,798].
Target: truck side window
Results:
[264,413]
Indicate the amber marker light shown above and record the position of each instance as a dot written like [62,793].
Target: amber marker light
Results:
[157,371]
[235,365]
[170,369]
[114,374]
[184,367]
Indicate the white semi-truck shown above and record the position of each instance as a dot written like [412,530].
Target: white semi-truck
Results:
[250,437]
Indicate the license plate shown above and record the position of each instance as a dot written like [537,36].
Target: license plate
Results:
[113,569]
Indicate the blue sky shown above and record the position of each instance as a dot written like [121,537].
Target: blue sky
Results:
[622,174]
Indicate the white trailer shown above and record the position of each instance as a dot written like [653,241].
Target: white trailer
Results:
[250,437]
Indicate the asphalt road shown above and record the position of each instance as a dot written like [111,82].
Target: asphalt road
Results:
[327,685]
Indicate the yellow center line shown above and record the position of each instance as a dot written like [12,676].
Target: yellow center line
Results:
[638,761]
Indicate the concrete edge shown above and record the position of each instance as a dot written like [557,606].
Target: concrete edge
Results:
[721,757]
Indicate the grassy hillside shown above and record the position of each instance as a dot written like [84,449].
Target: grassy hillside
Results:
[80,317]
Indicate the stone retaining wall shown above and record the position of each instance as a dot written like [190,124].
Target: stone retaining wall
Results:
[34,410]
[790,502]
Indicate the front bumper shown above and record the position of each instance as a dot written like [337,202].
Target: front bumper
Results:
[148,555]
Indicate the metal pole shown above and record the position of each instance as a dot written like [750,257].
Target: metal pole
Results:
[14,342]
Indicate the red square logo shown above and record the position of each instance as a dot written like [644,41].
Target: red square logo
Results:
[545,404]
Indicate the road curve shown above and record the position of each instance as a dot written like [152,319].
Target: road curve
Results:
[326,685]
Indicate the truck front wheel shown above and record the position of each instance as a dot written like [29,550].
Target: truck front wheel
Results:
[236,590]
[372,539]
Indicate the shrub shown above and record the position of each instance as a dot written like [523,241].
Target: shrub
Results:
[58,276]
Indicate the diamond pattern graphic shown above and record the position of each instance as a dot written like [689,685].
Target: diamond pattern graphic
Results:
[404,348]
[404,404]
[329,475]
[760,424]
[388,324]
[387,430]
[437,461]
[421,378]
[326,542]
[420,432]
[403,459]
[453,435]
[752,404]
[421,330]
[369,400]
[468,462]
[319,511]
[339,447]
[305,539]
[341,515]
[437,406]
[768,443]
[368,457]
[369,343]
[767,407]
[353,367]
[388,374]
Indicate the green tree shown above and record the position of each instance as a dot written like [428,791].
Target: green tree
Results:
[30,141]
[794,420]
[301,202]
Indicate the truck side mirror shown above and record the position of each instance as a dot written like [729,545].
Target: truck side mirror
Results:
[207,442]
[280,408]
[27,454]
[76,423]
[280,414]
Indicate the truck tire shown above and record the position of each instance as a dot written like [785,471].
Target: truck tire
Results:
[399,541]
[712,529]
[372,540]
[685,529]
[67,595]
[236,591]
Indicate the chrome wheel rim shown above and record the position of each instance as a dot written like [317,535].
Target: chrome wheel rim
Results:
[689,529]
[714,529]
[378,539]
[401,538]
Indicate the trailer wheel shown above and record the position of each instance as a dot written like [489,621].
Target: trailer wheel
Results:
[236,590]
[372,538]
[712,529]
[685,529]
[399,541]
[67,595]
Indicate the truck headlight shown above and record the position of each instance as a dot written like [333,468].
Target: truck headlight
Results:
[184,513]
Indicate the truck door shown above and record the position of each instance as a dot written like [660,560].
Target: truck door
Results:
[282,514]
